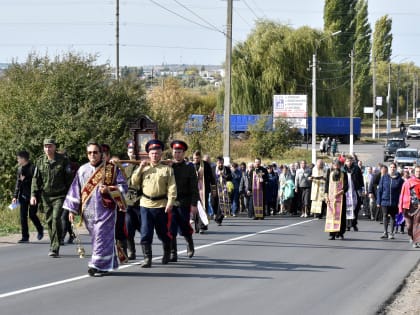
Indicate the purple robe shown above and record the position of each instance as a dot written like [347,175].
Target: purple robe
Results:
[99,220]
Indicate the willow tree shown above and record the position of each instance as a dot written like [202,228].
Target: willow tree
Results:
[362,48]
[272,60]
[382,39]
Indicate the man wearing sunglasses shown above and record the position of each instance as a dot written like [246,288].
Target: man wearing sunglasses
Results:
[95,194]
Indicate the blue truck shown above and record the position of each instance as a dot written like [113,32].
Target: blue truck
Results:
[336,127]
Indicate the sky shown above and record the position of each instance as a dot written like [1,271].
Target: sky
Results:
[155,32]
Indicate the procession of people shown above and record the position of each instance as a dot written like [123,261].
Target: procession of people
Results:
[181,196]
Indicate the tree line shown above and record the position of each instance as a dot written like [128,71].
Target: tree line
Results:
[73,99]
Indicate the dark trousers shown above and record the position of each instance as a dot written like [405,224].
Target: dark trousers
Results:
[389,217]
[235,201]
[250,202]
[132,221]
[120,230]
[356,211]
[180,222]
[26,208]
[65,222]
[154,218]
[243,202]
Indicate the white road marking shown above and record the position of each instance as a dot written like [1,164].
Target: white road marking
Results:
[56,283]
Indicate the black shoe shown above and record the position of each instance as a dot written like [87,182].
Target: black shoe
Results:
[332,237]
[147,263]
[93,272]
[348,228]
[61,242]
[40,235]
[385,236]
[70,240]
[355,228]
[23,240]
[53,253]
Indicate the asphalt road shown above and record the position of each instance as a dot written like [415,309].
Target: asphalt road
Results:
[282,265]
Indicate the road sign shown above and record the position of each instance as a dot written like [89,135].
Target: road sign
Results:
[368,110]
[379,113]
[379,101]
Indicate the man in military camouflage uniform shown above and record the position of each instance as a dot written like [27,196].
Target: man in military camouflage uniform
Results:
[51,180]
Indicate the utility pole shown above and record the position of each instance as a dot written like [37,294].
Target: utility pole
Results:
[388,101]
[397,118]
[374,97]
[414,96]
[317,44]
[226,112]
[406,101]
[351,101]
[117,41]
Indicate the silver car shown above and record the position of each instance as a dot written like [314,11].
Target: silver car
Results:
[406,158]
[413,131]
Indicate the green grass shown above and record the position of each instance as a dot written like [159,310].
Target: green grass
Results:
[9,221]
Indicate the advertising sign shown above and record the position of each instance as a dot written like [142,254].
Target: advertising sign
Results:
[291,107]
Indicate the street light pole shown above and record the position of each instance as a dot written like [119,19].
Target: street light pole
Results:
[314,108]
[317,43]
[374,97]
[351,101]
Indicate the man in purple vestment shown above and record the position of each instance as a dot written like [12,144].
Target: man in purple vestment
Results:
[96,189]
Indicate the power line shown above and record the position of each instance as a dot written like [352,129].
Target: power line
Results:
[242,18]
[195,14]
[249,8]
[181,16]
[259,8]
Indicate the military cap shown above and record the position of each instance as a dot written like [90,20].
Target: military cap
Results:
[49,141]
[130,144]
[153,145]
[179,144]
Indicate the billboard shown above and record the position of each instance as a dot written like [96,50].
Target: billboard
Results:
[291,107]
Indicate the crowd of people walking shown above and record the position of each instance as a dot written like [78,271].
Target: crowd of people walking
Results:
[117,198]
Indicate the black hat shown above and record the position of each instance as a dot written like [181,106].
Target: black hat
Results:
[179,144]
[153,145]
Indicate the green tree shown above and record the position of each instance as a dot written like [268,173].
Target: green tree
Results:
[382,39]
[262,67]
[167,103]
[362,48]
[340,15]
[69,98]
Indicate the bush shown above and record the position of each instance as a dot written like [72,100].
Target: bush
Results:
[274,142]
